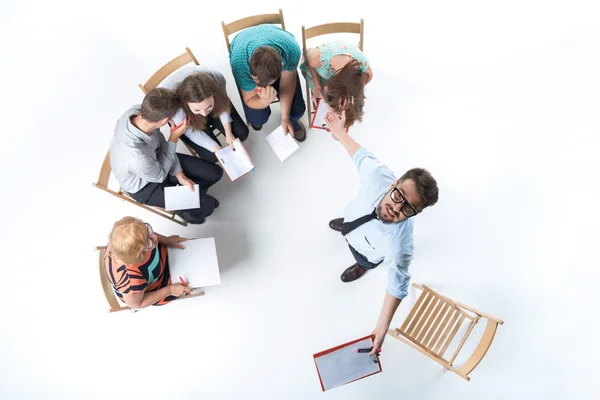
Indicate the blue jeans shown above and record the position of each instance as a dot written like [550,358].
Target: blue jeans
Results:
[362,260]
[260,117]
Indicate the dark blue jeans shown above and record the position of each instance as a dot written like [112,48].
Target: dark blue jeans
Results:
[362,260]
[260,117]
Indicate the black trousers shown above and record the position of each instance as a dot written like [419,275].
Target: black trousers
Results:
[260,117]
[362,261]
[202,172]
[238,128]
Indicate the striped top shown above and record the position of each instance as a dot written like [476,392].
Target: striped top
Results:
[151,274]
[248,40]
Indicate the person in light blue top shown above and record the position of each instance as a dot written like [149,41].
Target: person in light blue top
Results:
[378,223]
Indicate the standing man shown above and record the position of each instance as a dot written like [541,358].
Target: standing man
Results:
[378,223]
[264,61]
[144,163]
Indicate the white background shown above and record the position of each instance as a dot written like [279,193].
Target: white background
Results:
[499,100]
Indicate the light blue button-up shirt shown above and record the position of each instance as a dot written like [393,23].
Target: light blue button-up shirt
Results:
[390,243]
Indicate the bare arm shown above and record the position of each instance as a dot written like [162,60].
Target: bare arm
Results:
[368,75]
[313,59]
[253,100]
[335,123]
[287,87]
[143,299]
[390,305]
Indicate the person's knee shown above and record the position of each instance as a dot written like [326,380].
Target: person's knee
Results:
[241,131]
[258,117]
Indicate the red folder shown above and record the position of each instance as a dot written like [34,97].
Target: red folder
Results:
[322,353]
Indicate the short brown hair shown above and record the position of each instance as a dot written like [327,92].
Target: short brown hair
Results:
[128,240]
[346,92]
[265,65]
[425,183]
[196,88]
[160,103]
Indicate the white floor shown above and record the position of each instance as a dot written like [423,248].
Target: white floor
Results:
[500,102]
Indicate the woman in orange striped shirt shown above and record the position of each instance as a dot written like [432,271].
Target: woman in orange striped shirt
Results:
[137,264]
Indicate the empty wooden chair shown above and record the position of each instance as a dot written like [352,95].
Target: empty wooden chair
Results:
[326,29]
[109,292]
[432,324]
[102,184]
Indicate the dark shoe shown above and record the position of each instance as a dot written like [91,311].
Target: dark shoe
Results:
[336,224]
[256,127]
[217,204]
[353,273]
[191,220]
[299,131]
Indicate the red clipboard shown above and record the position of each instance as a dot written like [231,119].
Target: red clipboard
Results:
[246,152]
[312,122]
[331,350]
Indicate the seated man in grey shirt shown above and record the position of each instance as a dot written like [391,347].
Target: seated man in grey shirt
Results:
[144,163]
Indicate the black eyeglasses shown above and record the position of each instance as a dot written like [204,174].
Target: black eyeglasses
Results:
[397,197]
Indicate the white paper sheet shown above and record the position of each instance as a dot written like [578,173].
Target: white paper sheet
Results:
[236,163]
[322,110]
[346,365]
[283,146]
[181,198]
[197,264]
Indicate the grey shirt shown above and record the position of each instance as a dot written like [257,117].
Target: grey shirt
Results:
[137,158]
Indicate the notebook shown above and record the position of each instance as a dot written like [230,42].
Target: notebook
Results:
[181,198]
[235,160]
[283,145]
[341,365]
[318,120]
[196,264]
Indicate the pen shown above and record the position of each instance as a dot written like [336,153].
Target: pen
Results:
[184,283]
[367,350]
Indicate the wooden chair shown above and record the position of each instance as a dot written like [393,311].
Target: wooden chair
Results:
[109,292]
[326,29]
[167,70]
[102,184]
[433,323]
[248,22]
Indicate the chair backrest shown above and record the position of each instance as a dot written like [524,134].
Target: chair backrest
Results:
[433,322]
[326,29]
[107,288]
[168,69]
[334,27]
[248,22]
[105,170]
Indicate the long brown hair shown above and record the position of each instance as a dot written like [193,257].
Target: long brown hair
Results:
[196,88]
[346,92]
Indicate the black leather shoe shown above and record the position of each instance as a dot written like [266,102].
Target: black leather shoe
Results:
[336,224]
[256,127]
[353,273]
[191,220]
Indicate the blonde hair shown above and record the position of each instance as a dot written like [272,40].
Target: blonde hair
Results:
[128,240]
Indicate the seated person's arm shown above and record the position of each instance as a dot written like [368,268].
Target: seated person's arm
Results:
[253,100]
[155,171]
[368,75]
[202,139]
[287,87]
[143,299]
